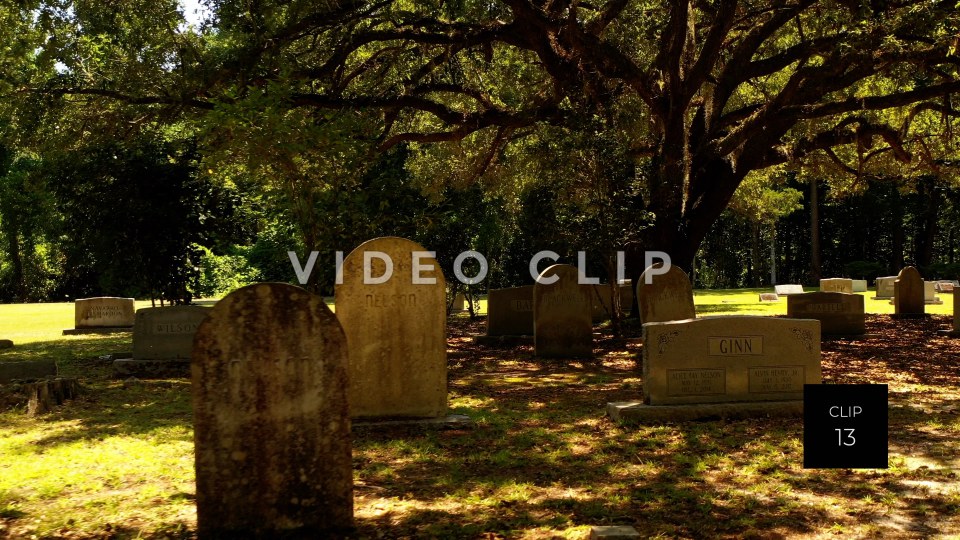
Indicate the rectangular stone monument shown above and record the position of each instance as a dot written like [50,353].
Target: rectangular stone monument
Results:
[908,293]
[838,313]
[510,311]
[459,303]
[788,289]
[162,342]
[884,287]
[945,286]
[842,285]
[930,293]
[105,314]
[859,285]
[769,297]
[562,326]
[728,366]
[271,420]
[396,326]
[955,331]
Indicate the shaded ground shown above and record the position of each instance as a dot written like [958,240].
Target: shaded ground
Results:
[542,460]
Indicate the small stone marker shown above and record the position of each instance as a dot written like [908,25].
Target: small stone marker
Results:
[908,294]
[788,289]
[859,285]
[27,370]
[843,285]
[838,313]
[396,331]
[955,331]
[769,297]
[930,293]
[162,342]
[271,422]
[562,326]
[668,298]
[105,311]
[885,287]
[459,303]
[510,311]
[613,532]
[6,344]
[945,286]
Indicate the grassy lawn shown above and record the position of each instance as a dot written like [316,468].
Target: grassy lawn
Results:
[541,462]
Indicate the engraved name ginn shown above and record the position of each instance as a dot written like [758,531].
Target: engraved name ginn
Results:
[736,345]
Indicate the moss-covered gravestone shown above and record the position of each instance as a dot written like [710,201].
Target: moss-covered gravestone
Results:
[271,421]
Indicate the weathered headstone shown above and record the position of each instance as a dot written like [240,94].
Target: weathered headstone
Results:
[669,297]
[769,297]
[908,293]
[396,331]
[788,289]
[6,344]
[859,285]
[162,342]
[562,325]
[955,331]
[842,285]
[271,421]
[930,293]
[838,313]
[27,370]
[885,287]
[510,311]
[459,302]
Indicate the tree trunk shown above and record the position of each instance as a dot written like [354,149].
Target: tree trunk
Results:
[43,395]
[928,231]
[896,223]
[815,261]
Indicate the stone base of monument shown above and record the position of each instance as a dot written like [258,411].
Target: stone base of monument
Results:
[636,412]
[451,421]
[97,330]
[150,369]
[949,333]
[503,341]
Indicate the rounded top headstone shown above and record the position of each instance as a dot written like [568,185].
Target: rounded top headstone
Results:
[668,296]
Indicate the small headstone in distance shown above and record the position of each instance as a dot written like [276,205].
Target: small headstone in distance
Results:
[769,297]
[788,289]
[613,532]
[6,343]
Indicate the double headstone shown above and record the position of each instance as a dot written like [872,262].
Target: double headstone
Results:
[841,285]
[271,422]
[510,311]
[562,325]
[908,294]
[838,313]
[728,359]
[103,314]
[391,304]
[162,342]
[665,297]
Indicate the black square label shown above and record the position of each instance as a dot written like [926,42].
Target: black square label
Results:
[845,426]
